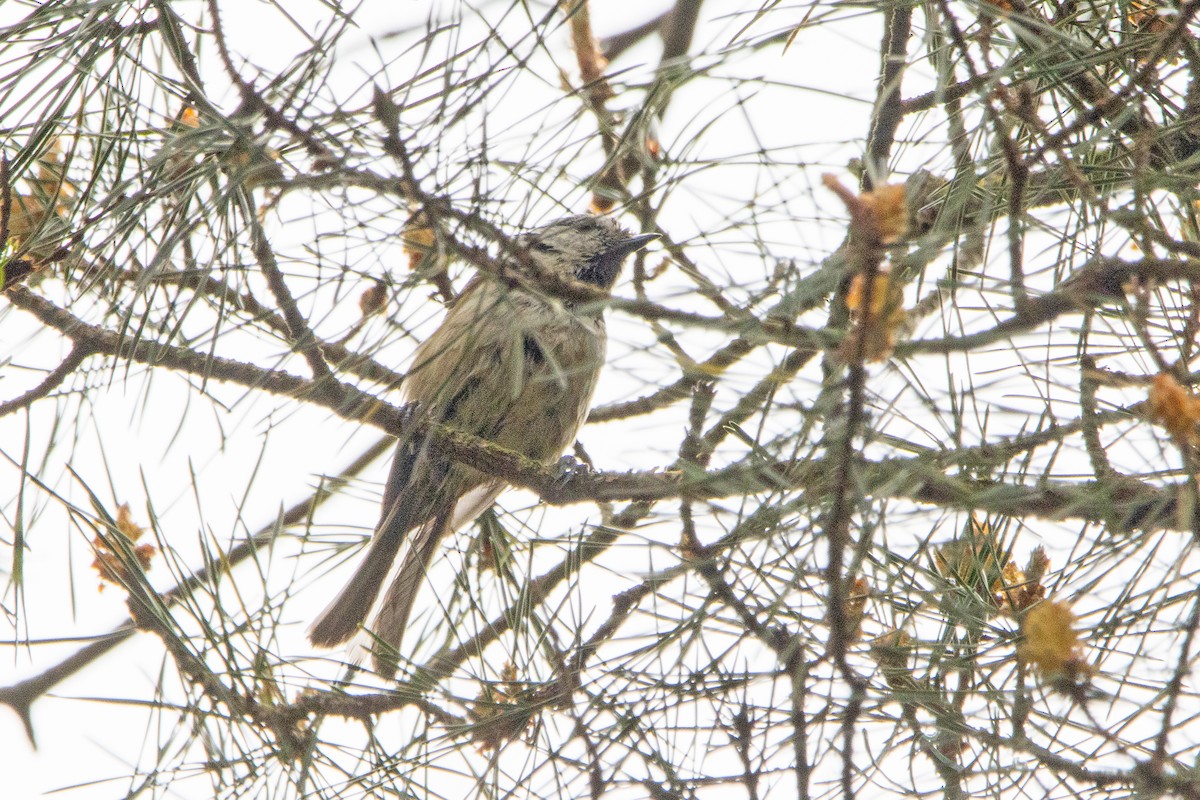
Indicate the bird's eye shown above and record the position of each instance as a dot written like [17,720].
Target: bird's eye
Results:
[542,247]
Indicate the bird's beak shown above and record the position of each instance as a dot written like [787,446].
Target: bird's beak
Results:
[602,270]
[631,245]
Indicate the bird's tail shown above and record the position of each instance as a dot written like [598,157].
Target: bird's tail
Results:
[392,619]
[340,620]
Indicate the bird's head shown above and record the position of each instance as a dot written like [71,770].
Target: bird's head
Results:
[583,248]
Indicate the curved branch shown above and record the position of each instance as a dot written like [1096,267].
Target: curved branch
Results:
[78,353]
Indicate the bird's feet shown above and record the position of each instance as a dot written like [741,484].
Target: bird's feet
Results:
[568,468]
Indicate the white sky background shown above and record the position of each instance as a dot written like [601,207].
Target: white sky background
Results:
[132,432]
[143,437]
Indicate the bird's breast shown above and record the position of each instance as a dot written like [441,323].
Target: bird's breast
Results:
[511,368]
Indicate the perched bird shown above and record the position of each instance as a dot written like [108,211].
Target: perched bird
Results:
[507,364]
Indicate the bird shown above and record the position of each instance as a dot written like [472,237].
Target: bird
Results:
[509,364]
